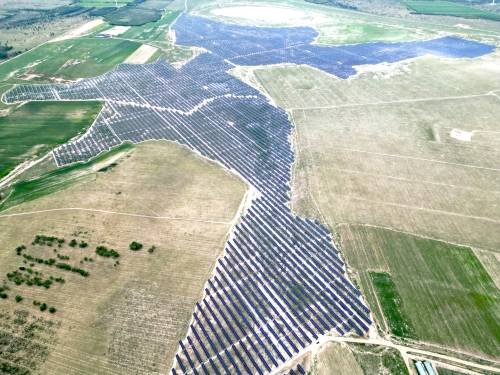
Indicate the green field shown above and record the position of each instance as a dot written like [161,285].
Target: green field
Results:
[77,58]
[392,305]
[35,128]
[444,8]
[103,3]
[449,297]
[154,30]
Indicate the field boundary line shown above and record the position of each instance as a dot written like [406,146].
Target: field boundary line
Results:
[416,235]
[114,213]
[492,93]
[411,180]
[418,208]
[408,157]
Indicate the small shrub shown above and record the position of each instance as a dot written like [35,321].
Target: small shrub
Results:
[83,244]
[3,295]
[43,307]
[72,243]
[103,251]
[19,298]
[36,303]
[85,259]
[135,246]
[151,249]
[52,309]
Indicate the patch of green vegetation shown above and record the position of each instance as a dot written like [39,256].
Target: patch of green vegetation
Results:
[135,246]
[103,251]
[56,180]
[37,127]
[445,371]
[429,132]
[153,31]
[392,305]
[103,3]
[133,15]
[444,8]
[333,3]
[375,359]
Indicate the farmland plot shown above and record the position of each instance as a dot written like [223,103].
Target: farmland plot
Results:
[334,356]
[395,165]
[35,128]
[126,318]
[448,295]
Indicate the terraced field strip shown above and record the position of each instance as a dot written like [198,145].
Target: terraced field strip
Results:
[445,8]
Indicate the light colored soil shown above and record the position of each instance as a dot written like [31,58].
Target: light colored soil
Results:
[141,55]
[117,30]
[82,29]
[128,318]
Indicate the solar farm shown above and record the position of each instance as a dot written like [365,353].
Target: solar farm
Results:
[305,292]
[281,285]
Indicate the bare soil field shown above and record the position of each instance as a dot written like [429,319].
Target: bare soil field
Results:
[141,55]
[123,318]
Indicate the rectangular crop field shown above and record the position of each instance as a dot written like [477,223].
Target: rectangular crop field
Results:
[35,128]
[76,58]
[444,8]
[446,292]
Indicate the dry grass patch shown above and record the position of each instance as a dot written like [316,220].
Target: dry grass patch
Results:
[396,166]
[125,318]
[334,356]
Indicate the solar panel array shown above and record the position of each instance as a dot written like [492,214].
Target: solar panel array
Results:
[281,282]
[252,46]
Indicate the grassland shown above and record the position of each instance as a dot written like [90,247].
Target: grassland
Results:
[78,58]
[373,151]
[448,295]
[35,128]
[392,305]
[127,318]
[444,8]
[333,357]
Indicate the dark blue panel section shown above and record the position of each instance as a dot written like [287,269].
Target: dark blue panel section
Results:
[247,45]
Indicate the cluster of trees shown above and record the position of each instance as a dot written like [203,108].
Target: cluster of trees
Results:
[66,266]
[82,243]
[49,262]
[103,251]
[46,240]
[43,306]
[19,278]
[135,246]
[19,249]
